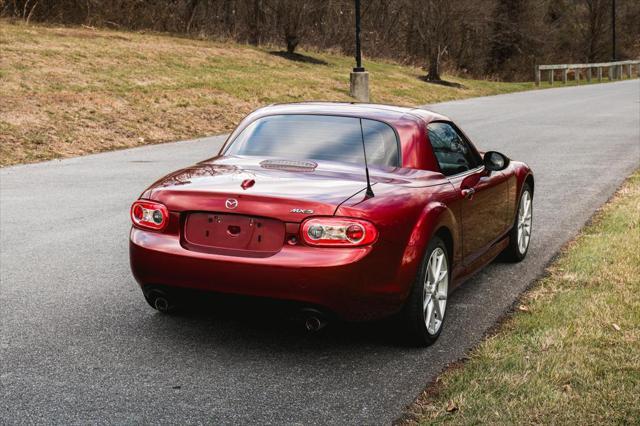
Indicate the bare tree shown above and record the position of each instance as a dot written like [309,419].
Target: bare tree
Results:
[292,19]
[191,7]
[256,21]
[499,38]
[433,25]
[591,19]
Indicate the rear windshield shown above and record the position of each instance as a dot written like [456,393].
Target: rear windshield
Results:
[318,137]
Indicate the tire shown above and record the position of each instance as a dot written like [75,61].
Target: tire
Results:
[426,300]
[520,234]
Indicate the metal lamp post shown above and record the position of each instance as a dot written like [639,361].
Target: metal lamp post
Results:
[358,67]
[613,31]
[359,78]
[615,72]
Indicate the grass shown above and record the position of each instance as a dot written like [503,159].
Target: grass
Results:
[70,91]
[570,354]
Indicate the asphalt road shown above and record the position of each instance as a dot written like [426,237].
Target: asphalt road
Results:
[78,344]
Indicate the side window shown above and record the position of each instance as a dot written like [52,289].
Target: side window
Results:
[453,153]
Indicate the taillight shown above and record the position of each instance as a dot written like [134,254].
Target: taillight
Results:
[335,231]
[150,215]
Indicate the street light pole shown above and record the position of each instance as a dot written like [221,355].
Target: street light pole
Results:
[358,67]
[613,29]
[359,78]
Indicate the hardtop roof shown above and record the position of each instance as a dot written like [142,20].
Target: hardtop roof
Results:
[365,110]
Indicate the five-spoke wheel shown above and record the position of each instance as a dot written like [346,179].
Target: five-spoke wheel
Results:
[524,222]
[436,285]
[425,309]
[520,234]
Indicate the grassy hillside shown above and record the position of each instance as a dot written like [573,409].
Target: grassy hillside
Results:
[70,91]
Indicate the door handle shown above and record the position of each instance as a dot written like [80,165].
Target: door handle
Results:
[468,193]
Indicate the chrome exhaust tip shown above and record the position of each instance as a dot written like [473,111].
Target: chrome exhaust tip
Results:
[162,304]
[314,321]
[160,300]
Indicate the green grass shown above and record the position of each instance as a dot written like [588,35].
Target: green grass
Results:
[70,91]
[571,352]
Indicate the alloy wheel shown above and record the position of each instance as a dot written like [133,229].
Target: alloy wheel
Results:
[524,222]
[436,285]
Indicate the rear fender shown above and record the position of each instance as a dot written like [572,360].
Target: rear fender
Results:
[433,218]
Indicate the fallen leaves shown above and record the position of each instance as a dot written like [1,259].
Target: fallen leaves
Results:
[547,342]
[570,276]
[452,407]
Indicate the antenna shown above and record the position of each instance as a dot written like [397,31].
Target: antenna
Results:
[366,166]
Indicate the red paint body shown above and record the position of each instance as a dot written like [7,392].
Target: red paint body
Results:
[412,203]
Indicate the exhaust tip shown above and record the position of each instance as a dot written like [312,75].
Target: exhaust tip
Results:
[314,321]
[162,304]
[160,300]
[313,324]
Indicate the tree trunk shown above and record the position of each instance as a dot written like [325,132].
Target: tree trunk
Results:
[434,67]
[256,23]
[292,42]
[229,17]
[190,15]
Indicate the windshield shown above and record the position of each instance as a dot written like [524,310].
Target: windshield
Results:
[318,137]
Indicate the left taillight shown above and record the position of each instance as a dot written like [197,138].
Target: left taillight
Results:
[338,232]
[149,215]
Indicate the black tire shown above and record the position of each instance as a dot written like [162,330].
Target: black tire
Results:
[513,252]
[413,315]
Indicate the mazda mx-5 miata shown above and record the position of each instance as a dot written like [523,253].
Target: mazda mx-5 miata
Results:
[351,211]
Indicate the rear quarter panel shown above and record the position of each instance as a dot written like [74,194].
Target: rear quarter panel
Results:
[406,219]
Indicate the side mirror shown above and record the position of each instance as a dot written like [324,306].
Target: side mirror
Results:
[495,161]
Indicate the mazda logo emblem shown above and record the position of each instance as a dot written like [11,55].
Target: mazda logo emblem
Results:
[231,203]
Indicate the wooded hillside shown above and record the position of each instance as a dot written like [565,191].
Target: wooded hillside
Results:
[501,39]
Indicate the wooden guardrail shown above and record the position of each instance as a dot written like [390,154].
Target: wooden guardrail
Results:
[615,70]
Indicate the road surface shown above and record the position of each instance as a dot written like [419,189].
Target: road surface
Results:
[78,344]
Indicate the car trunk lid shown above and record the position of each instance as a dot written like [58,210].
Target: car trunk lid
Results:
[250,206]
[285,190]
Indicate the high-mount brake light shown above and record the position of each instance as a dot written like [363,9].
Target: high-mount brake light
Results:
[149,215]
[338,232]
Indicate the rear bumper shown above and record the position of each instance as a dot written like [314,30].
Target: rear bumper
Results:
[353,283]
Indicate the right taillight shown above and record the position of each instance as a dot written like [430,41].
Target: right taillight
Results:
[338,232]
[149,215]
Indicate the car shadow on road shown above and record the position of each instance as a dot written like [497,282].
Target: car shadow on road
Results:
[240,322]
[268,321]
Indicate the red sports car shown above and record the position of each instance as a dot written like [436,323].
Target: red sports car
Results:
[354,211]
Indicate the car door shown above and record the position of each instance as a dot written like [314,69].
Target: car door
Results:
[483,195]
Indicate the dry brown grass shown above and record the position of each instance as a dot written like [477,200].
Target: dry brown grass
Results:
[71,91]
